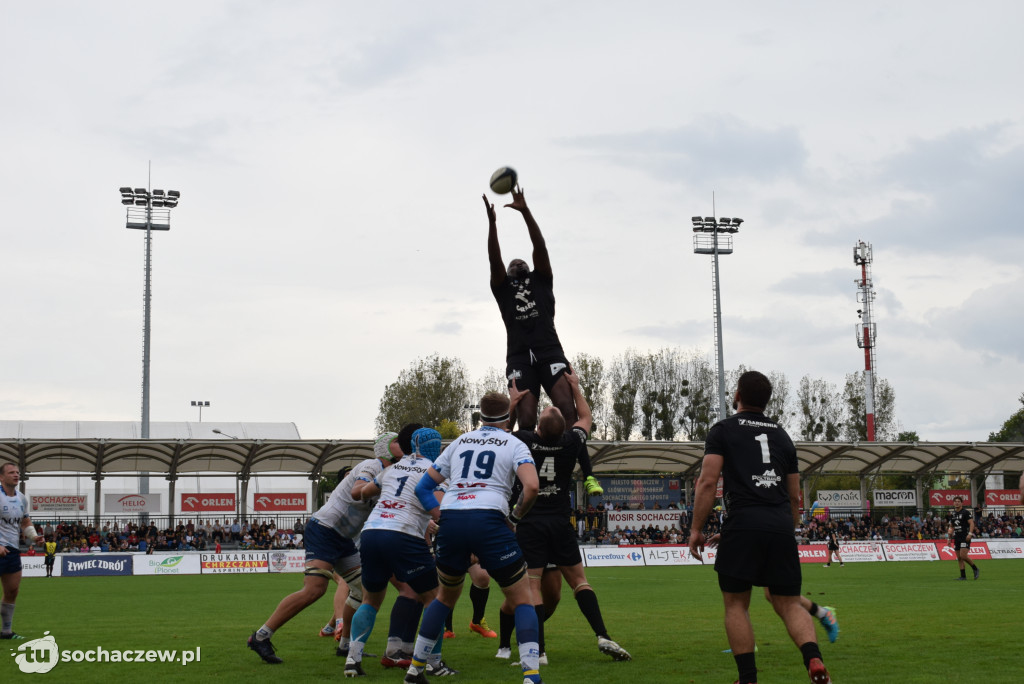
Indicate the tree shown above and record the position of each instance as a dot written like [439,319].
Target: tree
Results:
[494,380]
[779,407]
[1013,428]
[625,377]
[430,391]
[590,370]
[701,399]
[855,424]
[820,410]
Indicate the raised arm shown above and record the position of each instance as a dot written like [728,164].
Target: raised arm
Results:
[541,261]
[585,417]
[493,248]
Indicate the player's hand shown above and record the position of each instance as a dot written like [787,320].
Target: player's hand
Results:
[697,544]
[518,200]
[713,541]
[515,394]
[572,378]
[492,218]
[3,551]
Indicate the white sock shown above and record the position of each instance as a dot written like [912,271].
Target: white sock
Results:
[264,633]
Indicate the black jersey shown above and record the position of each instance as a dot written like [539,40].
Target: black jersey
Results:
[528,310]
[758,455]
[961,523]
[833,539]
[555,464]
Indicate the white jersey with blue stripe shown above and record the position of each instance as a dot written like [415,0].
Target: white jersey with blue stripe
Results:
[13,510]
[342,512]
[480,467]
[399,509]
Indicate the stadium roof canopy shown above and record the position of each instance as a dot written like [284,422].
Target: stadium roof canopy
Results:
[102,448]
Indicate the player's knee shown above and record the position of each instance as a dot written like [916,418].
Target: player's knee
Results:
[582,586]
[450,579]
[510,574]
[354,580]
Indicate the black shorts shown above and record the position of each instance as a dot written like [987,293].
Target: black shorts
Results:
[49,561]
[758,558]
[548,539]
[833,547]
[536,368]
[961,544]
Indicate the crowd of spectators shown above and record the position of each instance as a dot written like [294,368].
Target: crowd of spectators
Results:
[198,535]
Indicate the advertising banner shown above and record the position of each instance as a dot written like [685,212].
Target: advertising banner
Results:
[35,566]
[978,551]
[292,560]
[944,497]
[92,565]
[220,502]
[613,556]
[895,497]
[131,503]
[997,548]
[167,564]
[813,553]
[1002,497]
[61,503]
[676,555]
[858,552]
[293,501]
[910,551]
[645,491]
[840,498]
[233,563]
[664,519]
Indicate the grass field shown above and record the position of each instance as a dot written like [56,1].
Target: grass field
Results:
[900,622]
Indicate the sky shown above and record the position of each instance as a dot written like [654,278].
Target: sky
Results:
[331,158]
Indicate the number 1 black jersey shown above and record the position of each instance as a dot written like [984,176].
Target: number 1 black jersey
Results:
[758,455]
[555,464]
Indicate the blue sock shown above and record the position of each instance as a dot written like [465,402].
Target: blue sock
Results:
[527,632]
[362,626]
[431,628]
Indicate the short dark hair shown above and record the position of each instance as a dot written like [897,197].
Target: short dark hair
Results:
[343,472]
[958,498]
[493,405]
[3,468]
[404,438]
[551,424]
[755,389]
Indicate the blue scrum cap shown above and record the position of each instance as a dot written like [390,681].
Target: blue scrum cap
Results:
[427,443]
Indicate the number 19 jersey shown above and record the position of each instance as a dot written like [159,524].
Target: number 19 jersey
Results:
[480,467]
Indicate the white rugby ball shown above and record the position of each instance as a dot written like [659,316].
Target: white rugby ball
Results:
[503,180]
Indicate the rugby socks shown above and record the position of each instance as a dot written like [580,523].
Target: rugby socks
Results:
[747,668]
[539,608]
[431,629]
[506,623]
[529,651]
[817,611]
[448,624]
[587,600]
[810,651]
[405,618]
[478,596]
[262,634]
[7,613]
[963,573]
[362,627]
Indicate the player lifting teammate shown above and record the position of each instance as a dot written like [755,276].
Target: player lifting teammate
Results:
[961,532]
[546,534]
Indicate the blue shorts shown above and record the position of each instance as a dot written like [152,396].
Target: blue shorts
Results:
[325,544]
[11,563]
[483,533]
[387,552]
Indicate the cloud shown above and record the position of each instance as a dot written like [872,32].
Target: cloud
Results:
[988,322]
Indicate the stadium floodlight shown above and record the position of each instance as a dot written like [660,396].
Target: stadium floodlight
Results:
[719,242]
[200,405]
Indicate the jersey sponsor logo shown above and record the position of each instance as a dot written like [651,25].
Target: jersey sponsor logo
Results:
[515,375]
[746,422]
[466,497]
[555,367]
[391,504]
[766,479]
[490,441]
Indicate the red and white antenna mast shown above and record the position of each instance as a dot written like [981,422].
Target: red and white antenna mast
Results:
[866,330]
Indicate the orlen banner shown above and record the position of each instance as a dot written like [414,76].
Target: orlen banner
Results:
[131,503]
[1002,497]
[911,551]
[64,503]
[895,497]
[676,555]
[665,519]
[240,562]
[295,501]
[840,498]
[617,556]
[201,503]
[813,553]
[944,497]
[979,550]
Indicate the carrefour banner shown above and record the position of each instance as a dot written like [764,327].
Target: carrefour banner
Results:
[92,565]
[614,556]
[895,497]
[131,503]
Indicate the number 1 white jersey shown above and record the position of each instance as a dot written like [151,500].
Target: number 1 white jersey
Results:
[399,509]
[480,467]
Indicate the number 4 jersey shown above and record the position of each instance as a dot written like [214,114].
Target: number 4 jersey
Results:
[480,467]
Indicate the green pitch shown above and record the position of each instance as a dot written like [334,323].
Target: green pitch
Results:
[900,622]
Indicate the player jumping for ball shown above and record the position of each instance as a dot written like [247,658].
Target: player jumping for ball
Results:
[534,356]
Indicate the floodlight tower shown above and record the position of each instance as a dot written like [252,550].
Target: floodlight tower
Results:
[148,211]
[866,330]
[714,236]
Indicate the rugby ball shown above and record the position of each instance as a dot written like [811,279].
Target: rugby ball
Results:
[503,180]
